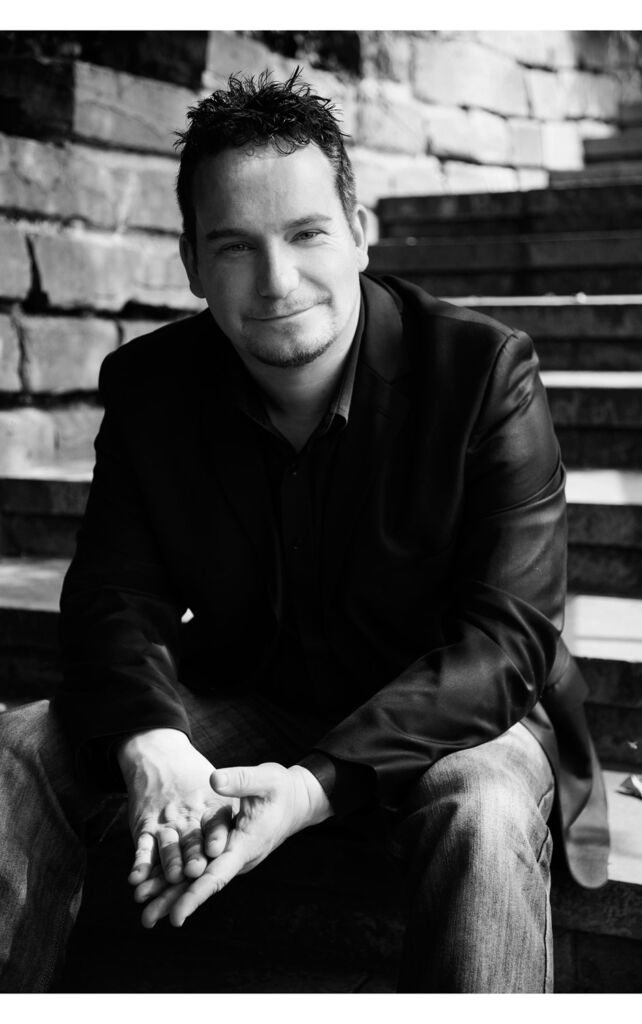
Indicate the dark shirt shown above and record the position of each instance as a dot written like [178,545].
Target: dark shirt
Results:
[302,669]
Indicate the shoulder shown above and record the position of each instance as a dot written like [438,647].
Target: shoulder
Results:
[168,352]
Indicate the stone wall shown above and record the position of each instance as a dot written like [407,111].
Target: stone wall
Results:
[88,222]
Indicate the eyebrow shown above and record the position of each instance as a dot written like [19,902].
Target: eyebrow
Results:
[299,222]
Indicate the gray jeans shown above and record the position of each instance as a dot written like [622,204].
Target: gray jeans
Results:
[472,835]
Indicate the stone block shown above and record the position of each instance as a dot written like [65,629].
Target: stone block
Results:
[464,73]
[490,139]
[531,178]
[57,99]
[15,264]
[84,270]
[389,119]
[590,129]
[526,142]
[386,55]
[383,174]
[75,429]
[65,353]
[462,177]
[548,99]
[27,438]
[9,356]
[609,49]
[561,146]
[231,53]
[104,188]
[448,132]
[551,49]
[587,94]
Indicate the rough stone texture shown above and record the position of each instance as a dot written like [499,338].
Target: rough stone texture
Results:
[65,353]
[526,142]
[128,111]
[83,270]
[27,437]
[552,49]
[389,119]
[490,138]
[591,129]
[60,98]
[229,53]
[383,174]
[461,177]
[106,189]
[606,50]
[9,356]
[590,95]
[386,55]
[75,429]
[463,73]
[530,178]
[561,146]
[448,130]
[15,265]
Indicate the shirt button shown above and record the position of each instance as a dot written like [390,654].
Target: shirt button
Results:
[293,471]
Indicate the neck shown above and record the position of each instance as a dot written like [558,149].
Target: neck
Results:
[297,397]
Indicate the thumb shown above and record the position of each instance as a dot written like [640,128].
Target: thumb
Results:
[245,781]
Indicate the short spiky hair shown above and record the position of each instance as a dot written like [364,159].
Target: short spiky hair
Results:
[287,115]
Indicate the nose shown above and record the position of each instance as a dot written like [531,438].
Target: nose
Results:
[277,273]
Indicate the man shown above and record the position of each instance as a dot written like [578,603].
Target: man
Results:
[354,494]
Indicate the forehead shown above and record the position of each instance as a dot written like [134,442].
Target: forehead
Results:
[261,183]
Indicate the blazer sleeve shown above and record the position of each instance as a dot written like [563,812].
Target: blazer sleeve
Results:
[120,614]
[504,611]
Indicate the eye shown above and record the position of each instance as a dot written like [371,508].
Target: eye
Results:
[308,235]
[234,247]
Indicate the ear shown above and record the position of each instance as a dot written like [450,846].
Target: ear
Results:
[359,227]
[188,257]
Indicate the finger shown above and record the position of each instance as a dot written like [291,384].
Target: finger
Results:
[194,862]
[169,851]
[216,829]
[144,859]
[161,905]
[150,887]
[218,874]
[257,780]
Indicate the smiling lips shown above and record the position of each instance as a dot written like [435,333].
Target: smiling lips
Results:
[281,316]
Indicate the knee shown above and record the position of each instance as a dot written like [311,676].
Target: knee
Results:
[477,810]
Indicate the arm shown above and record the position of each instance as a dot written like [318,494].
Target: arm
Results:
[502,616]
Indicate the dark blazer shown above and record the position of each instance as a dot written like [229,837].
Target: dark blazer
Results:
[444,553]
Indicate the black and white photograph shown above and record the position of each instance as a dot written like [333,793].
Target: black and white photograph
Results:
[320,513]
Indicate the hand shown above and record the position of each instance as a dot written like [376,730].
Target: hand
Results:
[275,803]
[178,823]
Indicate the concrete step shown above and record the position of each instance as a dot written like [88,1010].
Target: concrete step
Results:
[626,145]
[591,262]
[631,114]
[40,510]
[538,211]
[578,332]
[608,173]
[598,417]
[605,532]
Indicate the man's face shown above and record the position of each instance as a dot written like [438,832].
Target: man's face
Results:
[276,259]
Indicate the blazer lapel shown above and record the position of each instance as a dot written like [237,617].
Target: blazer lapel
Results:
[377,411]
[238,467]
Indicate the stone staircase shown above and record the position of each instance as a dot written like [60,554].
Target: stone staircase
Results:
[615,158]
[565,265]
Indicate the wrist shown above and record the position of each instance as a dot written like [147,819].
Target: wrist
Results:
[317,806]
[150,743]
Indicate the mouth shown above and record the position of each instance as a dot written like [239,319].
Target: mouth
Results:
[277,317]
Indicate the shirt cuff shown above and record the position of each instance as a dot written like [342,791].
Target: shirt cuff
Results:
[349,787]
